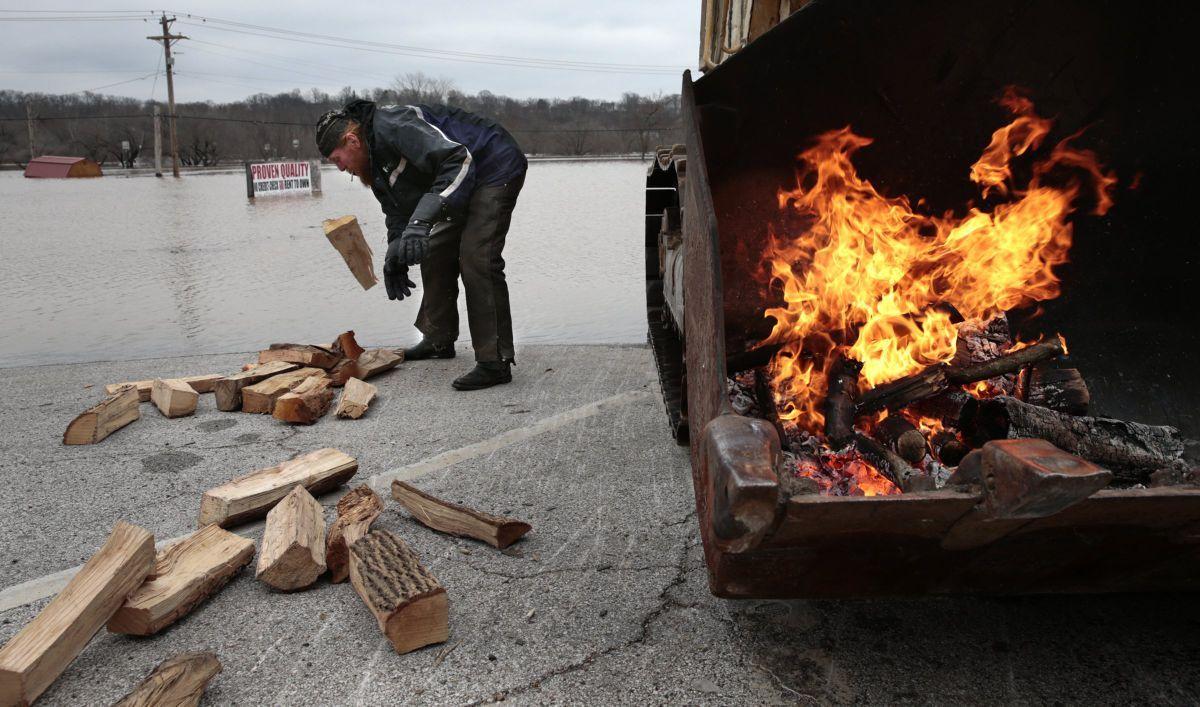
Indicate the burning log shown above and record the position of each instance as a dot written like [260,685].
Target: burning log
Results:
[948,448]
[184,575]
[355,513]
[293,544]
[303,354]
[902,437]
[892,465]
[456,519]
[946,407]
[306,403]
[43,649]
[1131,449]
[251,496]
[839,401]
[178,681]
[936,379]
[766,404]
[228,390]
[104,418]
[407,601]
[797,477]
[173,397]
[1060,389]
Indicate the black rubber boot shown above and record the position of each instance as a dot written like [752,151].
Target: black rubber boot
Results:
[484,375]
[429,349]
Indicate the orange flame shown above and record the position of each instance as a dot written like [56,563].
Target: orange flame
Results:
[867,274]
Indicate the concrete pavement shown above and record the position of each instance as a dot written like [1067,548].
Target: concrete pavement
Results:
[605,601]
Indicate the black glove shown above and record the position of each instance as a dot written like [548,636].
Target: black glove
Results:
[414,241]
[395,275]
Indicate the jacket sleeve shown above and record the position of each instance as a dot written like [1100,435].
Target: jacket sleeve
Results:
[394,217]
[428,149]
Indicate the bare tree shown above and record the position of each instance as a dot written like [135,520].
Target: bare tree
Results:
[419,87]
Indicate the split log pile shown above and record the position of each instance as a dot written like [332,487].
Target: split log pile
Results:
[281,371]
[914,431]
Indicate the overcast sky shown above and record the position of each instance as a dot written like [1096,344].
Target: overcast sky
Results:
[616,46]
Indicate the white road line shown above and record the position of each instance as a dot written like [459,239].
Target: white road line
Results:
[51,584]
[380,482]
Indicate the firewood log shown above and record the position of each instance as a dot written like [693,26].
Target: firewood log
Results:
[303,354]
[184,575]
[178,681]
[306,403]
[839,401]
[104,418]
[372,362]
[766,405]
[346,345]
[1061,389]
[251,496]
[948,448]
[893,466]
[228,390]
[173,397]
[43,649]
[355,513]
[936,379]
[902,437]
[343,371]
[945,407]
[293,544]
[455,519]
[409,604]
[346,236]
[200,384]
[356,397]
[1131,450]
[260,397]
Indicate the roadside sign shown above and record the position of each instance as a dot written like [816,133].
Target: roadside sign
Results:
[267,178]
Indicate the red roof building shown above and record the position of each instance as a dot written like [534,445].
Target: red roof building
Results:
[58,167]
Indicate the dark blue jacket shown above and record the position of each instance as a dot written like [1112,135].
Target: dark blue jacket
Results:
[433,150]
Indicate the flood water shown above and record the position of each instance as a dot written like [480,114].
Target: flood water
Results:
[121,268]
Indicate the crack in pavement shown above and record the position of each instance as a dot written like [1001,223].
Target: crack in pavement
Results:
[664,605]
[566,570]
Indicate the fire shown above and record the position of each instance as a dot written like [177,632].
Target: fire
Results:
[869,276]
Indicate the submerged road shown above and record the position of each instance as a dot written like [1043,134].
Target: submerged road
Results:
[605,602]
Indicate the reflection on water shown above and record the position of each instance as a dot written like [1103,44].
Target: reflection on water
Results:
[117,268]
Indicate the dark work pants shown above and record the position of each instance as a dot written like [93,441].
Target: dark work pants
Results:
[471,247]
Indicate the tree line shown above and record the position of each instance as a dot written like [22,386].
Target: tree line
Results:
[120,131]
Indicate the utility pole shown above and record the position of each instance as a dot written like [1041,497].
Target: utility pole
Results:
[29,121]
[157,142]
[166,38]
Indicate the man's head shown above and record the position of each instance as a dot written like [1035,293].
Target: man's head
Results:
[341,141]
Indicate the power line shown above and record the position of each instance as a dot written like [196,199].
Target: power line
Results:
[491,58]
[312,123]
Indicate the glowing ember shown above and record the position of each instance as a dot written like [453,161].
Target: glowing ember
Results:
[868,274]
